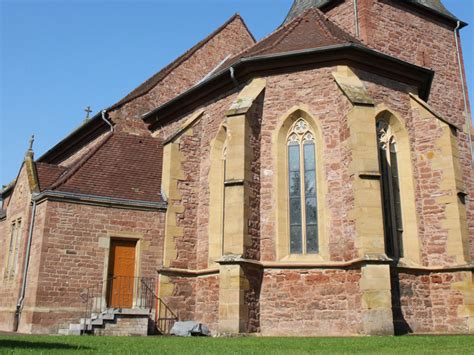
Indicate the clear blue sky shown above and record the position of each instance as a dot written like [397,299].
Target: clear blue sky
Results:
[57,57]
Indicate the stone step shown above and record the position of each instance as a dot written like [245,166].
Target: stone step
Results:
[76,326]
[69,332]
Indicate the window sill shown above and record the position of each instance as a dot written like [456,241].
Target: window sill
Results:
[303,258]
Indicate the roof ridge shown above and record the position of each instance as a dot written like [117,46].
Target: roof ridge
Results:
[80,163]
[285,34]
[323,23]
[165,71]
[242,53]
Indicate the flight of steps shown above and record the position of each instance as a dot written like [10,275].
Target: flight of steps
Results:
[112,322]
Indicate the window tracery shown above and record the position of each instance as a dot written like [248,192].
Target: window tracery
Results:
[303,213]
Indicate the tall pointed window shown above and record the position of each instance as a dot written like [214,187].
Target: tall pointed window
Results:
[303,211]
[392,210]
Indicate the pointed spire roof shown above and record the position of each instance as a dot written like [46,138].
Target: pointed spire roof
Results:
[310,30]
[435,6]
[300,6]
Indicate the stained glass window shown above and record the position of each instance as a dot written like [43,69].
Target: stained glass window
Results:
[303,209]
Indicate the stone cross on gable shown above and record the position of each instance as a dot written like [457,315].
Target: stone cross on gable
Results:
[88,111]
[32,140]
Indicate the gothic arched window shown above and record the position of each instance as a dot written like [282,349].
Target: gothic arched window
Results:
[392,209]
[303,211]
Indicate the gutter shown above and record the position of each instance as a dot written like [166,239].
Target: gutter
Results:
[463,86]
[339,52]
[100,201]
[21,299]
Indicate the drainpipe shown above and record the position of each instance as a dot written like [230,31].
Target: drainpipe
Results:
[21,299]
[232,75]
[464,94]
[104,112]
[356,19]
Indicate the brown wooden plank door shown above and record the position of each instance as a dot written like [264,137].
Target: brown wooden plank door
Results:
[121,273]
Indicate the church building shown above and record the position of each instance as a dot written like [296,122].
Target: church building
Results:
[318,182]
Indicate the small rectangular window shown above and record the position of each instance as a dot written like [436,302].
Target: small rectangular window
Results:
[13,250]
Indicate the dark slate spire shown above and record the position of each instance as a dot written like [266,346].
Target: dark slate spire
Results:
[300,6]
[435,6]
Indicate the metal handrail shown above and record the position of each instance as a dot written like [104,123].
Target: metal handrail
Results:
[163,324]
[122,292]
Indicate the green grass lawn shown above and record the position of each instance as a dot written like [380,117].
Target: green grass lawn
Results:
[19,344]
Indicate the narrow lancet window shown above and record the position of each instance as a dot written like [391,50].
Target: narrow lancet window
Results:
[392,210]
[303,212]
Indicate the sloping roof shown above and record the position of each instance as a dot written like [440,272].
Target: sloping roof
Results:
[163,73]
[122,166]
[48,174]
[311,29]
[434,6]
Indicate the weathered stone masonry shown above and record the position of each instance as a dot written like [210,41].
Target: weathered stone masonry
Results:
[217,236]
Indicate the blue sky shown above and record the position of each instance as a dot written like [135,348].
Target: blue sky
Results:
[57,57]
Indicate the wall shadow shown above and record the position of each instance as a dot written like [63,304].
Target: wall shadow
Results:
[400,325]
[38,345]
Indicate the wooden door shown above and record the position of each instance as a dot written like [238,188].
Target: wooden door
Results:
[121,273]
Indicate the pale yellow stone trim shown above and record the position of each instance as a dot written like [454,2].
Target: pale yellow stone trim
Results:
[246,97]
[367,210]
[466,287]
[410,218]
[31,173]
[352,86]
[186,126]
[172,173]
[376,291]
[280,182]
[216,196]
[446,159]
[233,311]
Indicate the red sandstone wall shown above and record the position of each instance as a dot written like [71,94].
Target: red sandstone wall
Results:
[316,89]
[68,162]
[68,258]
[430,305]
[330,108]
[308,302]
[207,301]
[18,207]
[231,40]
[398,30]
[255,122]
[343,16]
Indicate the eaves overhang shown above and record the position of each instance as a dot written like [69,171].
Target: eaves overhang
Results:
[350,54]
[6,190]
[80,136]
[102,201]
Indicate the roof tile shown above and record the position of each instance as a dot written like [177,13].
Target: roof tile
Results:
[123,166]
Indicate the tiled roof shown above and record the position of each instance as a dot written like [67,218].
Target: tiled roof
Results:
[311,29]
[158,77]
[48,174]
[434,6]
[122,166]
